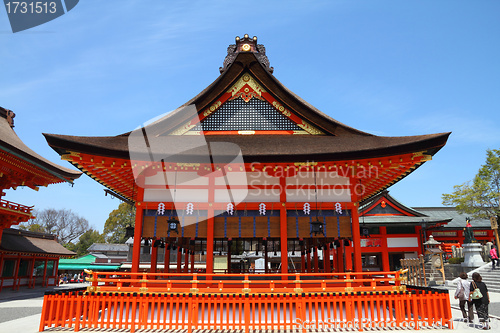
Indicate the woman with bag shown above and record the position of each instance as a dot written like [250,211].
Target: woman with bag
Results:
[462,294]
[480,298]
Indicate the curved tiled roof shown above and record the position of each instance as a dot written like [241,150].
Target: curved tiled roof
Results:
[12,144]
[15,240]
[264,148]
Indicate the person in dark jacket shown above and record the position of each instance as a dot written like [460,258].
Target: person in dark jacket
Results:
[481,304]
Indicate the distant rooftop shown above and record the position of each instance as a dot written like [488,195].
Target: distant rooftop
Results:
[100,247]
[457,219]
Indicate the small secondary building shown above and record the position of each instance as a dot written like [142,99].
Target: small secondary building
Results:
[29,259]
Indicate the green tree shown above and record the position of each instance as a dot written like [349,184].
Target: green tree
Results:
[85,241]
[480,197]
[118,220]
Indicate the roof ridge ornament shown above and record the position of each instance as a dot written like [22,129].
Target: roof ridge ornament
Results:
[246,44]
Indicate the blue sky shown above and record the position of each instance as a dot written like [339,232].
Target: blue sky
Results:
[390,68]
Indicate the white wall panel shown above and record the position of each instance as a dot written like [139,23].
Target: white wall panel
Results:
[402,242]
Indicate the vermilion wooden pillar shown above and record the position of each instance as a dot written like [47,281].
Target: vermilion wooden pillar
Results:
[266,269]
[136,251]
[179,258]
[15,283]
[166,259]
[340,257]
[302,260]
[210,227]
[154,257]
[229,241]
[186,260]
[32,278]
[283,227]
[192,261]
[348,250]
[308,254]
[386,267]
[44,283]
[356,238]
[326,258]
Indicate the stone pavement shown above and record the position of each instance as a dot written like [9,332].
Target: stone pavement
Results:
[20,310]
[20,313]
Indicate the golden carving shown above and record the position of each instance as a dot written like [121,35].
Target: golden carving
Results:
[306,164]
[399,288]
[349,289]
[189,165]
[183,129]
[309,128]
[194,290]
[212,108]
[143,290]
[246,95]
[298,290]
[246,290]
[424,157]
[69,157]
[281,109]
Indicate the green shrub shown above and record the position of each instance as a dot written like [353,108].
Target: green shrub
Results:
[455,260]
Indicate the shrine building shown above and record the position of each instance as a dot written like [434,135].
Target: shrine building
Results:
[294,157]
[26,258]
[246,167]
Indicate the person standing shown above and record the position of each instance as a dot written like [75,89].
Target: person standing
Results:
[482,303]
[494,257]
[463,295]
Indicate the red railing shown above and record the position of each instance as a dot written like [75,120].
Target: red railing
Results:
[244,283]
[419,308]
[15,207]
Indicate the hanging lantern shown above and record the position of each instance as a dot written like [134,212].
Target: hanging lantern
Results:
[173,225]
[156,243]
[316,227]
[129,231]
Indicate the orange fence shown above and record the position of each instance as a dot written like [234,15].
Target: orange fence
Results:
[249,302]
[245,283]
[363,310]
